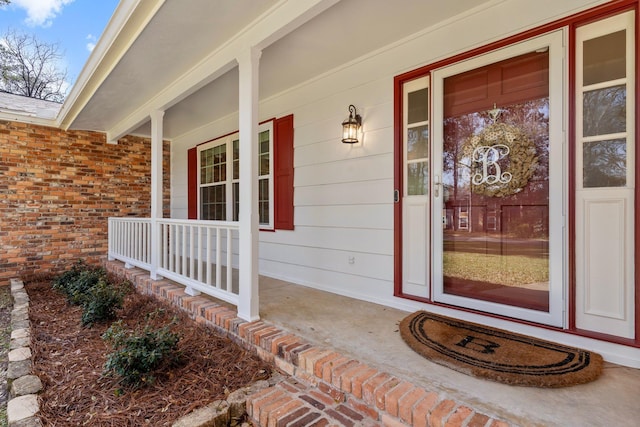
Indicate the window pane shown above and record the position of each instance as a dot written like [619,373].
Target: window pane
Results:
[418,106]
[236,201]
[418,177]
[418,143]
[236,159]
[605,111]
[263,201]
[263,153]
[604,58]
[605,163]
[213,203]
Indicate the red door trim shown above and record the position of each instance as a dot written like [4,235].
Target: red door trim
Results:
[581,18]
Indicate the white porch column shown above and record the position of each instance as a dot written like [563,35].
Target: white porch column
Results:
[248,303]
[156,189]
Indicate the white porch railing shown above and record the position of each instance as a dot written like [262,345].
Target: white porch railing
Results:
[201,255]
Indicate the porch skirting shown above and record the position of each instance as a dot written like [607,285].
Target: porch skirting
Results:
[323,387]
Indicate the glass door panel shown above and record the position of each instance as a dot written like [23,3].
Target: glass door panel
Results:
[494,238]
[496,186]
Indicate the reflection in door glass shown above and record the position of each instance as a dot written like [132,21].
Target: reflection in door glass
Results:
[496,188]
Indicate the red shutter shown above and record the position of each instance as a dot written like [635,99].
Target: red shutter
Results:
[192,183]
[283,173]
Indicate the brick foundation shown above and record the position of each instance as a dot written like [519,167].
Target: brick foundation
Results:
[57,190]
[324,388]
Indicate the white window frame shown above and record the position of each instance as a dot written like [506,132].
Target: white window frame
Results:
[227,140]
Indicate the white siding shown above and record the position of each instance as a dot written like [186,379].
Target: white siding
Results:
[343,237]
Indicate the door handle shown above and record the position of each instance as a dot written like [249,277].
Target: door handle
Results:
[436,185]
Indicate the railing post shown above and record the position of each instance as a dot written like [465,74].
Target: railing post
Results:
[156,190]
[110,238]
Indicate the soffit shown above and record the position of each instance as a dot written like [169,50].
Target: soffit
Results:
[184,32]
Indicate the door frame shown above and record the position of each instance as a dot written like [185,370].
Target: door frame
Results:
[557,194]
[569,22]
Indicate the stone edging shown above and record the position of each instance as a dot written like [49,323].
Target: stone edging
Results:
[23,386]
[23,406]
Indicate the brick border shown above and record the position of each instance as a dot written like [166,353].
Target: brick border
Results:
[326,387]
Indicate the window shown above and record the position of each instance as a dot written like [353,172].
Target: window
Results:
[604,84]
[219,178]
[213,177]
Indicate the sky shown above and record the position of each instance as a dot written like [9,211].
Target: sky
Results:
[76,25]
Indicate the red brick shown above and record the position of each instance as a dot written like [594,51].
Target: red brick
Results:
[422,409]
[242,329]
[257,335]
[313,402]
[267,407]
[306,420]
[347,376]
[478,420]
[349,412]
[294,353]
[344,421]
[322,422]
[380,394]
[441,412]
[290,351]
[369,387]
[210,313]
[327,369]
[308,358]
[258,398]
[498,423]
[278,414]
[267,338]
[363,408]
[288,419]
[319,366]
[359,378]
[458,418]
[335,394]
[338,371]
[406,402]
[322,397]
[393,397]
[389,421]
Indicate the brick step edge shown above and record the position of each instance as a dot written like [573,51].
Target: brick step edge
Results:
[383,398]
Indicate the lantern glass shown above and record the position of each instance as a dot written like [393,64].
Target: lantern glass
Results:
[351,126]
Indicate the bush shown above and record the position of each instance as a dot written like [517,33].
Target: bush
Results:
[139,354]
[99,294]
[101,302]
[76,283]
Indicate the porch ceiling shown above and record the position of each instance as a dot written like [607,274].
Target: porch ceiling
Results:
[179,34]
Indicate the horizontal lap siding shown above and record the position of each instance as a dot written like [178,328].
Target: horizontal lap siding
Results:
[343,194]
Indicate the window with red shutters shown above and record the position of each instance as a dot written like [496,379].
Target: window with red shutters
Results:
[282,158]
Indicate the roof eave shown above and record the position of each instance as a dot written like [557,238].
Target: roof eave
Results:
[127,22]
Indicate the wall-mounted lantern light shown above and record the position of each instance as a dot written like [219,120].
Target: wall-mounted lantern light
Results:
[351,126]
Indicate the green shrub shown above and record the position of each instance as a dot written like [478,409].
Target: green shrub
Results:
[139,354]
[99,293]
[76,283]
[63,280]
[101,302]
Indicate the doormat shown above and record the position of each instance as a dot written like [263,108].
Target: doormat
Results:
[496,354]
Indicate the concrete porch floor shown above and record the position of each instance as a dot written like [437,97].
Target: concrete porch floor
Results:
[369,333]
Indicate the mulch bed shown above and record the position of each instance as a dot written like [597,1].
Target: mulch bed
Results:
[69,360]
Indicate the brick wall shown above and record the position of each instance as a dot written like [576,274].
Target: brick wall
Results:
[57,190]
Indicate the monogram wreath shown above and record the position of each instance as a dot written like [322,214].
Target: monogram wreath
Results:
[503,160]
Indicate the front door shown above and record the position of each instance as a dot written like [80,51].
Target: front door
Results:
[497,186]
